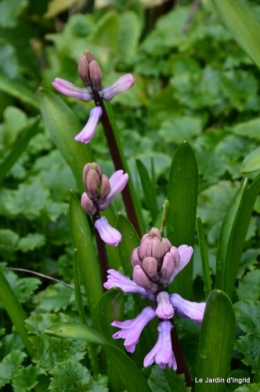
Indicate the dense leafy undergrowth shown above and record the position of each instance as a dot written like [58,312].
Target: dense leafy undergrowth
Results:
[193,83]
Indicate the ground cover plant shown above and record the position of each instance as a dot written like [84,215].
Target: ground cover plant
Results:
[129,199]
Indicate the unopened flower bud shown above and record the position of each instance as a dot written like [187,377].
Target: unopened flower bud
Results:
[83,70]
[87,204]
[135,260]
[92,181]
[149,265]
[89,56]
[170,261]
[142,280]
[95,75]
[104,190]
[151,245]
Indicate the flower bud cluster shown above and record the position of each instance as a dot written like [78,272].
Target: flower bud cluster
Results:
[97,188]
[154,262]
[90,71]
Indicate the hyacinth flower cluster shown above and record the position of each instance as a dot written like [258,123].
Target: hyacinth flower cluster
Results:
[155,264]
[99,192]
[91,75]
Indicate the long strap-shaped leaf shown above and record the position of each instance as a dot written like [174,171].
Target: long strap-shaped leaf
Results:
[129,372]
[88,265]
[242,22]
[233,234]
[63,125]
[216,343]
[182,196]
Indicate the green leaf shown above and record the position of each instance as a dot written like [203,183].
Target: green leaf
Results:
[130,240]
[248,388]
[148,189]
[10,10]
[82,240]
[8,242]
[72,376]
[31,241]
[106,30]
[55,298]
[10,365]
[49,350]
[165,380]
[233,234]
[182,196]
[204,257]
[240,18]
[249,129]
[249,288]
[249,346]
[176,129]
[26,378]
[248,316]
[18,90]
[18,147]
[15,312]
[130,374]
[128,36]
[224,258]
[63,127]
[216,342]
[251,163]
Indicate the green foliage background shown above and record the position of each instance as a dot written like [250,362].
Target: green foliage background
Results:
[193,83]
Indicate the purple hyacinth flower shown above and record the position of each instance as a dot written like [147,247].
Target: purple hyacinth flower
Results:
[164,308]
[117,182]
[115,279]
[184,308]
[132,329]
[88,131]
[122,84]
[185,253]
[69,89]
[162,353]
[107,233]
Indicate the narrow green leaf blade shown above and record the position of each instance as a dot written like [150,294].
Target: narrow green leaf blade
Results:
[129,372]
[88,265]
[225,237]
[149,190]
[216,343]
[130,240]
[18,90]
[182,196]
[204,257]
[63,126]
[240,18]
[233,234]
[18,147]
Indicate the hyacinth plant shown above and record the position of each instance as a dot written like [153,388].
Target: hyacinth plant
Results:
[137,276]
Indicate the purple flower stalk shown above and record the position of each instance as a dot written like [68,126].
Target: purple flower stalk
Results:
[107,233]
[131,329]
[162,353]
